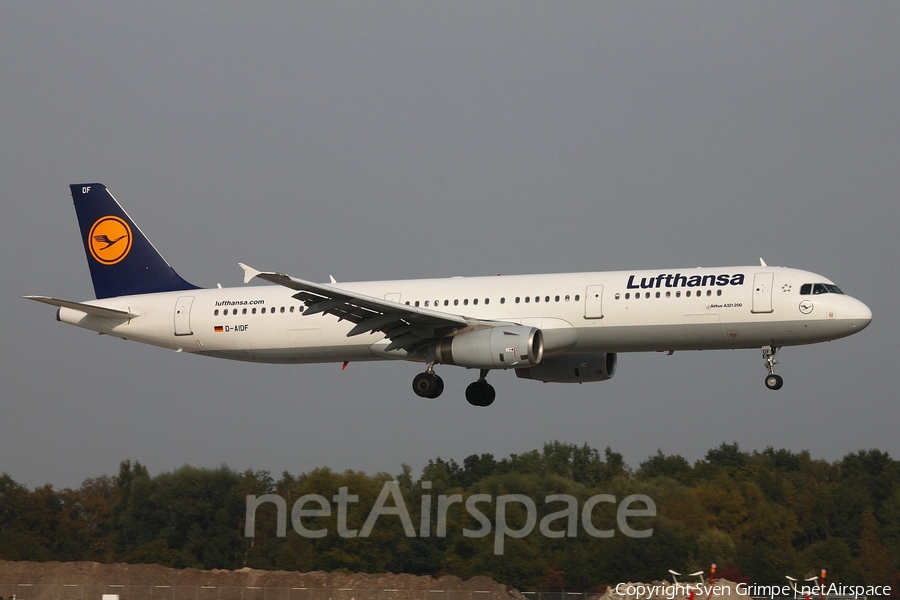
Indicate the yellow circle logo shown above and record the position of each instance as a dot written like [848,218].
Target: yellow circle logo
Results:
[109,240]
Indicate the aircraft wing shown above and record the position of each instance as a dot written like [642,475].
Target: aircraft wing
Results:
[407,327]
[96,311]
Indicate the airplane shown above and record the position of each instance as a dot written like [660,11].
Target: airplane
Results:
[566,327]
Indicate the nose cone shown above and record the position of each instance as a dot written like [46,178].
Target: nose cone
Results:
[860,316]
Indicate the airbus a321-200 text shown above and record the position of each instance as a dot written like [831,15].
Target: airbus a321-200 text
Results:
[566,327]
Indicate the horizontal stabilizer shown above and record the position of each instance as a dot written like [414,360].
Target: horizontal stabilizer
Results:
[90,309]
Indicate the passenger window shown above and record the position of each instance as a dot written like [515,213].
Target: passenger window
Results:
[567,297]
[475,301]
[292,309]
[243,312]
[487,300]
[446,303]
[627,295]
[556,299]
[517,299]
[657,294]
[577,297]
[456,302]
[618,295]
[718,292]
[216,314]
[537,298]
[253,311]
[688,293]
[668,294]
[678,294]
[282,310]
[547,299]
[527,299]
[502,300]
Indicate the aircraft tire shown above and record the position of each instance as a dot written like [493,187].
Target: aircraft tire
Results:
[480,393]
[427,385]
[774,382]
[438,387]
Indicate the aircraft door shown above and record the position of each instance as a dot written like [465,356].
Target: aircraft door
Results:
[183,315]
[593,302]
[762,292]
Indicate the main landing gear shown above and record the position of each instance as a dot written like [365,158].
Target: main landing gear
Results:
[427,384]
[773,381]
[481,393]
[430,385]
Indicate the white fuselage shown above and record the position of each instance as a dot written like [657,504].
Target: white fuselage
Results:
[624,311]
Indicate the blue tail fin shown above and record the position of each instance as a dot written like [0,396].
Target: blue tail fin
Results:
[123,262]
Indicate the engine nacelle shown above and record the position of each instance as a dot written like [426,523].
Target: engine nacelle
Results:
[493,348]
[573,368]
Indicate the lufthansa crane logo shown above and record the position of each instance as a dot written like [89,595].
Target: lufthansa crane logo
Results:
[109,240]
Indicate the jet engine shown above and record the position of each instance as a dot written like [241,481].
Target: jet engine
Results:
[573,368]
[492,348]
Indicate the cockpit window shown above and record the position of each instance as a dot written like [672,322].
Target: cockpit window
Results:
[819,288]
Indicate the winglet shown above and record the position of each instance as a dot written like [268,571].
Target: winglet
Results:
[249,272]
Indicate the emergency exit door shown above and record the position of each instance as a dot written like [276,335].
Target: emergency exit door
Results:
[593,302]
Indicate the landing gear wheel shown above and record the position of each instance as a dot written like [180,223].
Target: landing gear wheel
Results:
[773,381]
[428,385]
[438,387]
[480,393]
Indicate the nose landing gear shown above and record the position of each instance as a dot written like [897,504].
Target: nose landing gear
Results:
[773,381]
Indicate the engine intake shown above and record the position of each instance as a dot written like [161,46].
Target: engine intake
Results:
[493,348]
[573,368]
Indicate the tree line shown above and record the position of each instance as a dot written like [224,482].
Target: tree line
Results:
[757,515]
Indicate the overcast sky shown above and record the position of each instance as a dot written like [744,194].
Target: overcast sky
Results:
[385,140]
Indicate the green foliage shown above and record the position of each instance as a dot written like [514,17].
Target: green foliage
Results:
[756,514]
